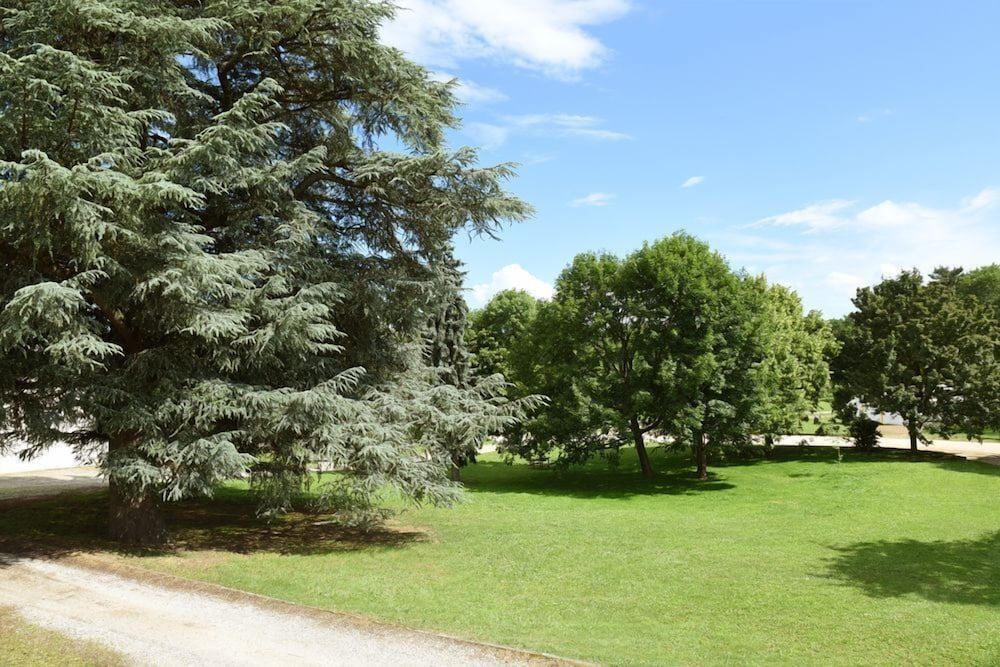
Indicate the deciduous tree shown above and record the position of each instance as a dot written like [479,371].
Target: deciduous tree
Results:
[924,351]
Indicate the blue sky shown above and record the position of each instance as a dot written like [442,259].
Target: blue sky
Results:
[824,143]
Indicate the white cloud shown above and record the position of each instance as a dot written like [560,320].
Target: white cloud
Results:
[836,213]
[841,280]
[889,270]
[512,276]
[845,245]
[870,116]
[693,181]
[594,199]
[470,92]
[543,125]
[545,35]
[822,215]
[487,135]
[593,133]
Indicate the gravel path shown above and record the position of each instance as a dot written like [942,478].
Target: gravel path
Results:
[154,625]
[987,452]
[38,483]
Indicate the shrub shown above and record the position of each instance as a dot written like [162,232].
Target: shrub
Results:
[864,432]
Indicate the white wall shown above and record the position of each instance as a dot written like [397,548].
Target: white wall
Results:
[58,456]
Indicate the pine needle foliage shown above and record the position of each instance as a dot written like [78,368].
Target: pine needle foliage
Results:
[222,229]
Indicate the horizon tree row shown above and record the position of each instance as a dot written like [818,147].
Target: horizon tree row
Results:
[667,341]
[670,341]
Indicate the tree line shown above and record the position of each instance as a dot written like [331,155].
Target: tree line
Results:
[670,341]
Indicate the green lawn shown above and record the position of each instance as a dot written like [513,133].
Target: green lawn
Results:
[24,644]
[802,559]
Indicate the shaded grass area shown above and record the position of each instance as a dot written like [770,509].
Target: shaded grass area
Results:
[25,644]
[809,557]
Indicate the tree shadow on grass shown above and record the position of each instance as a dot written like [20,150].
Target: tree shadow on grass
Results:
[962,571]
[851,456]
[594,480]
[989,466]
[58,527]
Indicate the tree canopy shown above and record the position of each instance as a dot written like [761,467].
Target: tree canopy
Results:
[923,350]
[498,328]
[212,266]
[667,341]
[983,284]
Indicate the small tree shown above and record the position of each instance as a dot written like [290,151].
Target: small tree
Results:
[795,369]
[923,351]
[498,329]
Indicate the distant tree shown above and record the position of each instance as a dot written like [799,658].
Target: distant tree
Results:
[497,329]
[669,340]
[211,265]
[795,371]
[923,351]
[720,362]
[479,405]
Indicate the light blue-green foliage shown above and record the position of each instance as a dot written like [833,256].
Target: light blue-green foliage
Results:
[210,264]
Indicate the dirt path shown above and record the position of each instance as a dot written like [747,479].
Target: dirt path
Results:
[987,452]
[157,625]
[39,483]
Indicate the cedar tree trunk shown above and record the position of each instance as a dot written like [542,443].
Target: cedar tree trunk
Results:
[134,518]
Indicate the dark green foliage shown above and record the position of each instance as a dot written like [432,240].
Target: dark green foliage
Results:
[864,432]
[983,284]
[667,341]
[210,266]
[498,329]
[923,350]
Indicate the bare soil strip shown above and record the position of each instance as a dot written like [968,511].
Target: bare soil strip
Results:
[155,624]
[986,452]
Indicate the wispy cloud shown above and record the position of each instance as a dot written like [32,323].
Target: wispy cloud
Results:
[512,276]
[488,135]
[844,245]
[593,133]
[873,115]
[843,213]
[560,125]
[693,181]
[594,199]
[468,91]
[821,215]
[550,36]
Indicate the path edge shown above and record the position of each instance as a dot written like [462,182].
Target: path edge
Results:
[107,564]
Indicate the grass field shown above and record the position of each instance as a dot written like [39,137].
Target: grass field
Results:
[807,558]
[24,644]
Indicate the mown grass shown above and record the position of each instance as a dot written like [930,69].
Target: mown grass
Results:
[812,557]
[22,644]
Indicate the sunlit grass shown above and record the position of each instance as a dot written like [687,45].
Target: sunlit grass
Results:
[24,644]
